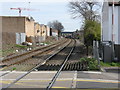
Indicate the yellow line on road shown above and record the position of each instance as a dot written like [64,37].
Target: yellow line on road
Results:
[23,84]
[28,84]
[60,87]
[103,81]
[43,86]
[5,82]
[100,81]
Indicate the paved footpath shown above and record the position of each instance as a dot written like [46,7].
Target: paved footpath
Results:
[67,79]
[97,80]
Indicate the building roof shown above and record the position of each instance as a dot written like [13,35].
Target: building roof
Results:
[36,23]
[13,16]
[29,18]
[41,25]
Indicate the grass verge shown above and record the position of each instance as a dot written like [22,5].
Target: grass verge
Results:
[112,64]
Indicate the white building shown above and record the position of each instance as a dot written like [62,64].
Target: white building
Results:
[111,22]
[48,31]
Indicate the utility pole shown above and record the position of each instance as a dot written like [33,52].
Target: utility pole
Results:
[113,20]
[29,8]
[113,23]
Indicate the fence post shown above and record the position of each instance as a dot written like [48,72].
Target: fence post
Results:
[93,49]
[113,51]
[97,52]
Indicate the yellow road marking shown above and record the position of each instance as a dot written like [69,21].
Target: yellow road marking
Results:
[98,81]
[29,84]
[60,87]
[24,84]
[5,82]
[101,81]
[18,83]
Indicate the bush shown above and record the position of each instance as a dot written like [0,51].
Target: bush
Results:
[92,63]
[83,59]
[14,68]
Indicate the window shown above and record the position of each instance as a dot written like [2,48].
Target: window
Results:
[38,31]
[43,31]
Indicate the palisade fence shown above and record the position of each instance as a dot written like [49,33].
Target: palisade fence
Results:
[106,51]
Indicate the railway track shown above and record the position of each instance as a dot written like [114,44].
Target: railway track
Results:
[59,61]
[47,59]
[29,52]
[27,61]
[55,62]
[71,46]
[73,64]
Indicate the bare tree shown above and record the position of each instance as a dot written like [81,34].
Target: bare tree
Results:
[85,9]
[56,25]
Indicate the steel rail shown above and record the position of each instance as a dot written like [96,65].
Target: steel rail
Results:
[59,71]
[4,74]
[46,49]
[29,52]
[23,75]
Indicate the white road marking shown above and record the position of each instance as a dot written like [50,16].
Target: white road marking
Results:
[74,80]
[98,80]
[93,72]
[44,72]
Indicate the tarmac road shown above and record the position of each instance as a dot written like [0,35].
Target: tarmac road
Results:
[67,79]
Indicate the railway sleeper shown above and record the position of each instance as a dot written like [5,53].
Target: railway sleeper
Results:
[64,67]
[68,67]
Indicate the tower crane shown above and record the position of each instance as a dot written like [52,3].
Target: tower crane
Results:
[20,10]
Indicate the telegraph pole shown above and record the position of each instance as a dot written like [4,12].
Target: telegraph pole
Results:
[113,20]
[113,23]
[29,11]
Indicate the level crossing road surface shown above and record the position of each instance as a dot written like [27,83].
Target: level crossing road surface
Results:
[66,79]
